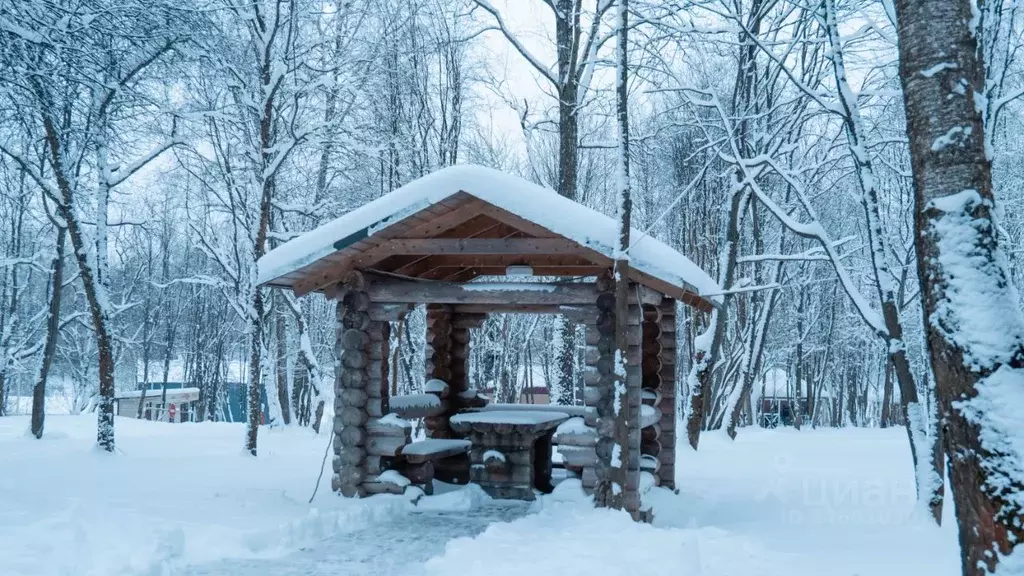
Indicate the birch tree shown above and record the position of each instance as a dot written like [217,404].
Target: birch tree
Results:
[971,310]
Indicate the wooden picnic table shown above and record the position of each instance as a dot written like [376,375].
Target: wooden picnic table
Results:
[511,454]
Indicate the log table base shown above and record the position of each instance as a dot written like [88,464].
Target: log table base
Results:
[511,452]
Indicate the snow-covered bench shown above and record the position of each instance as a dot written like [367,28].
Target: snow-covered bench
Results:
[434,449]
[400,462]
[417,405]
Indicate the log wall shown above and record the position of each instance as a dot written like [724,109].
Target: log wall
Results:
[667,380]
[599,391]
[352,391]
[363,446]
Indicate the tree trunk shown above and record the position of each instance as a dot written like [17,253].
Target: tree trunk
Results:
[929,481]
[754,356]
[95,292]
[708,345]
[567,40]
[147,327]
[614,489]
[567,15]
[975,333]
[309,361]
[565,352]
[886,395]
[52,333]
[798,361]
[282,366]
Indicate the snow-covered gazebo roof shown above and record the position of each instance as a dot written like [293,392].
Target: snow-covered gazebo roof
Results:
[467,221]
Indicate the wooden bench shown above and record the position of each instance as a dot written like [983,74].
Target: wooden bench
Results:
[434,449]
[402,462]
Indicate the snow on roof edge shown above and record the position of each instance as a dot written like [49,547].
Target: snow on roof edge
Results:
[525,199]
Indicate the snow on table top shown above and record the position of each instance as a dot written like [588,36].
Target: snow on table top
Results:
[570,410]
[510,417]
[434,445]
[525,199]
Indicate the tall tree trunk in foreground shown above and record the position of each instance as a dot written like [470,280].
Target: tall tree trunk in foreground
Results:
[974,325]
[567,40]
[613,490]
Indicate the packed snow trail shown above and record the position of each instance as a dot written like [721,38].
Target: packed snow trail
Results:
[396,547]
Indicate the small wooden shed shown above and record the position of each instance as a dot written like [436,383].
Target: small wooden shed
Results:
[440,241]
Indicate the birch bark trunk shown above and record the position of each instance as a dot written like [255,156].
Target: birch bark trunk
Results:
[975,331]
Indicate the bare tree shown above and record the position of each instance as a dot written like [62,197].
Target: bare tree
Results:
[75,81]
[575,62]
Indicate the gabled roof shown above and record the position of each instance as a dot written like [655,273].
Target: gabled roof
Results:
[474,202]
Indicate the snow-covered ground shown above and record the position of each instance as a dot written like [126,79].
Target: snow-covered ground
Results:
[774,502]
[183,499]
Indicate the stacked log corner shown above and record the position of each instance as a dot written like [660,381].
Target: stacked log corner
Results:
[361,397]
[667,377]
[459,363]
[599,394]
[592,392]
[447,359]
[657,442]
[438,363]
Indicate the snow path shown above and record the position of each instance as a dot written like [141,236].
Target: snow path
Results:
[399,546]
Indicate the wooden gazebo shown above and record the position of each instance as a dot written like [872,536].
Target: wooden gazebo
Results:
[434,242]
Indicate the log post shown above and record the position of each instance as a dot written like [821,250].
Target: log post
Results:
[592,389]
[352,389]
[667,390]
[659,386]
[362,442]
[458,364]
[439,362]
